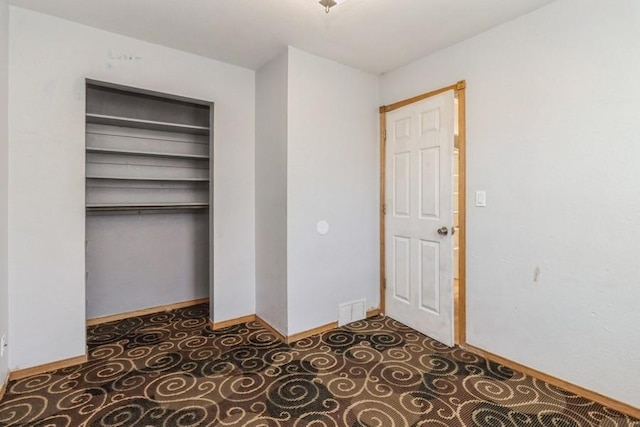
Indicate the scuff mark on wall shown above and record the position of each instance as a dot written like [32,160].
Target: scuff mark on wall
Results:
[124,56]
[536,274]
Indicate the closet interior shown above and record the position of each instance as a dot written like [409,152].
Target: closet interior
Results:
[148,194]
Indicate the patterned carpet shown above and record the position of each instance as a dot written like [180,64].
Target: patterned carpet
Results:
[170,369]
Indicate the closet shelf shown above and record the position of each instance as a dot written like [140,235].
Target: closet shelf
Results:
[145,206]
[102,119]
[136,178]
[146,153]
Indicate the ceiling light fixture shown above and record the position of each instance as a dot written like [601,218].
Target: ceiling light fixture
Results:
[328,4]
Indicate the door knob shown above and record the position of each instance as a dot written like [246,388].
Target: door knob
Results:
[443,231]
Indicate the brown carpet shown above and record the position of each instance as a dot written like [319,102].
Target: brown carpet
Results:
[172,370]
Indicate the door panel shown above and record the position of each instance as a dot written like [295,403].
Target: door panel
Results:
[429,182]
[429,276]
[402,129]
[430,120]
[419,183]
[401,268]
[402,187]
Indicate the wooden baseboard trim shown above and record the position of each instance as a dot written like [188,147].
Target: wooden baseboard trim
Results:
[145,311]
[233,322]
[3,387]
[576,389]
[295,337]
[47,367]
[373,313]
[322,329]
[311,332]
[271,329]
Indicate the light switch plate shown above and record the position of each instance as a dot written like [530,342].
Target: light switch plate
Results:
[481,199]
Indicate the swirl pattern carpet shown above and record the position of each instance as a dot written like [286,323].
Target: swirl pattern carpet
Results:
[171,369]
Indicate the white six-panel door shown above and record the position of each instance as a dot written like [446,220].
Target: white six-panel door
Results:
[419,196]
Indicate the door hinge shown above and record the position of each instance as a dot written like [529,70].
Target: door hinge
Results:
[385,283]
[385,135]
[384,209]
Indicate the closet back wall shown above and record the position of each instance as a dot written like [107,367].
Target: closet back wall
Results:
[50,59]
[137,261]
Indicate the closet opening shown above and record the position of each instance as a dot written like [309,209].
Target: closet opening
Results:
[149,193]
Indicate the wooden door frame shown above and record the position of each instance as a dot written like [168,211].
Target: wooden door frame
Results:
[459,309]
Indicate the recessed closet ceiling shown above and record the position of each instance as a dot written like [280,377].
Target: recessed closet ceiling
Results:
[373,35]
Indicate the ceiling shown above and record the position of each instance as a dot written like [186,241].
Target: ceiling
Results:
[372,35]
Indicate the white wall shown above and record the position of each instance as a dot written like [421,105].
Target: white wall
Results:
[316,159]
[49,60]
[271,192]
[153,258]
[4,174]
[333,172]
[553,101]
